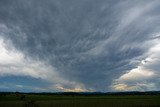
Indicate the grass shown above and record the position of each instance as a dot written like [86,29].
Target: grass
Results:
[30,100]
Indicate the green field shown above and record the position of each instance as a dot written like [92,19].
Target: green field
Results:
[13,100]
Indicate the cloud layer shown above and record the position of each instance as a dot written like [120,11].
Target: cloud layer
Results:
[86,45]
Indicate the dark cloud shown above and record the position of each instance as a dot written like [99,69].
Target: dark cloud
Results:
[89,42]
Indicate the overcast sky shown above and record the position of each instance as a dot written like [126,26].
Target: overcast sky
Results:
[79,45]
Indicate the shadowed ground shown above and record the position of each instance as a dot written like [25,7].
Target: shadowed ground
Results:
[25,100]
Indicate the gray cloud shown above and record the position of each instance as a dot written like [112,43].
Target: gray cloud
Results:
[89,43]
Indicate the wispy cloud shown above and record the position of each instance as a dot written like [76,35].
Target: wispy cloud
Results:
[81,45]
[15,63]
[145,76]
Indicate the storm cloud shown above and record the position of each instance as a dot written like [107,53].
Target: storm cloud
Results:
[80,45]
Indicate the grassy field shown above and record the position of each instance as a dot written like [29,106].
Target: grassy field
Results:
[25,100]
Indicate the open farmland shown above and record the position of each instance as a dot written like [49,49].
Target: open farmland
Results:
[49,100]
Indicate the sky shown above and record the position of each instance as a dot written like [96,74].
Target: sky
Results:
[79,45]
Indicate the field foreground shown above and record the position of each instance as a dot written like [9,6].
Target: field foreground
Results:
[49,100]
